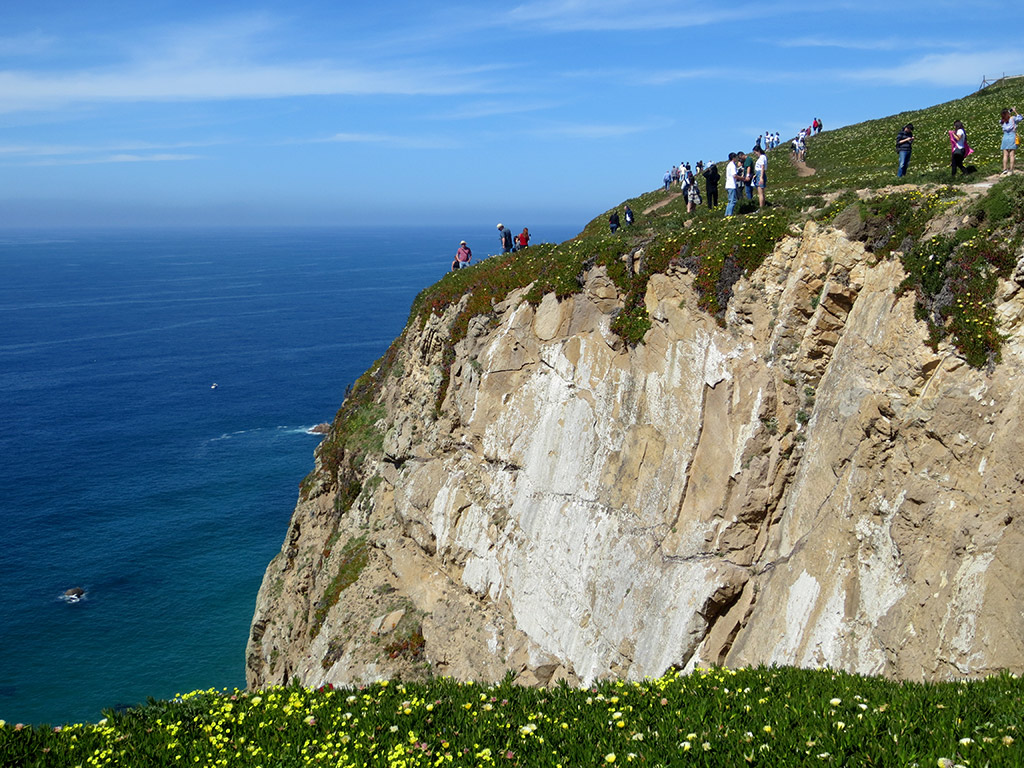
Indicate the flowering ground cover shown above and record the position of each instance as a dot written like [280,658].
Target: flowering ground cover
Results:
[714,717]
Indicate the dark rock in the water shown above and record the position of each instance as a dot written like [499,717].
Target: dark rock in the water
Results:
[320,429]
[75,593]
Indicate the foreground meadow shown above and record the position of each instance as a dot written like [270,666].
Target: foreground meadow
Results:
[716,717]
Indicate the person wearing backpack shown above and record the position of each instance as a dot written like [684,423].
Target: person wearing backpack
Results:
[904,140]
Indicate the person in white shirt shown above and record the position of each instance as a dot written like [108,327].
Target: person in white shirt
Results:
[760,174]
[730,183]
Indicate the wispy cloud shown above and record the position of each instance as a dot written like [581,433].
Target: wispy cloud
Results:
[404,142]
[491,108]
[592,130]
[220,62]
[120,158]
[944,69]
[32,44]
[19,90]
[867,44]
[602,15]
[59,150]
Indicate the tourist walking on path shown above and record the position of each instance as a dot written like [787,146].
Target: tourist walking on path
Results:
[629,216]
[524,238]
[692,195]
[1009,146]
[731,175]
[613,221]
[904,140]
[958,147]
[711,179]
[760,174]
[462,256]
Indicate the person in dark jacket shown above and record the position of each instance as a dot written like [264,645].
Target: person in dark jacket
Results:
[613,221]
[904,140]
[711,179]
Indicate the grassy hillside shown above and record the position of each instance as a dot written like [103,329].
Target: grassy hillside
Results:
[858,157]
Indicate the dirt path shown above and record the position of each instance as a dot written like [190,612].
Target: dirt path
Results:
[671,196]
[802,168]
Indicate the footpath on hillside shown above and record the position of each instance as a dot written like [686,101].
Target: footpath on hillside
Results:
[802,168]
[671,196]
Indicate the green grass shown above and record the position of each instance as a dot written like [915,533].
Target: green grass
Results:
[765,716]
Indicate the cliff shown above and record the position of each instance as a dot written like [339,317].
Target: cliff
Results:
[789,437]
[806,483]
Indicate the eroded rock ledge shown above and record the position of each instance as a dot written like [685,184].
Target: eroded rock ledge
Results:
[809,485]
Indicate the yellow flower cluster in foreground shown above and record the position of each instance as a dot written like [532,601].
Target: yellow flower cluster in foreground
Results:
[711,717]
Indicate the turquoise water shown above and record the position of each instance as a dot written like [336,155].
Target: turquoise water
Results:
[125,472]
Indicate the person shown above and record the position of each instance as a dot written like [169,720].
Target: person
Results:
[904,141]
[731,175]
[692,194]
[760,174]
[711,179]
[958,147]
[629,216]
[1009,145]
[613,221]
[748,174]
[462,256]
[505,235]
[524,238]
[667,181]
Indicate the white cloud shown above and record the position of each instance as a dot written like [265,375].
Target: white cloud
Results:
[592,130]
[492,108]
[945,69]
[31,44]
[119,158]
[405,142]
[611,15]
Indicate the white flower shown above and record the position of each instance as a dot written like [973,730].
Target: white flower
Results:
[835,702]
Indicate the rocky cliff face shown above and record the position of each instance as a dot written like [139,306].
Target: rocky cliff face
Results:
[808,484]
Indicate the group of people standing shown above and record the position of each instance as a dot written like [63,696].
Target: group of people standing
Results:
[959,147]
[743,174]
[509,243]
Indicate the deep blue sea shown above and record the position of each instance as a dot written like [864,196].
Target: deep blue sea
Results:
[125,472]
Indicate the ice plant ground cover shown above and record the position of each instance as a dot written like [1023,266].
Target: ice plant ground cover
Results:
[713,717]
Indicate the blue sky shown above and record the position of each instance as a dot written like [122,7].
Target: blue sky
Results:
[314,112]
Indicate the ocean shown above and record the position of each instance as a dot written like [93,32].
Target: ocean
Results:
[156,392]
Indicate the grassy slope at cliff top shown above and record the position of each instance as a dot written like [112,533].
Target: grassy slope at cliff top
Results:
[860,156]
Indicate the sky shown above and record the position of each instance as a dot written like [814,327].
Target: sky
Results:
[335,112]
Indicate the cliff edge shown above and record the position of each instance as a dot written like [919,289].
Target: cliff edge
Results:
[802,481]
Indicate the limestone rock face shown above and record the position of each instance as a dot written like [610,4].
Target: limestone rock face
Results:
[808,485]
